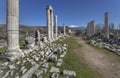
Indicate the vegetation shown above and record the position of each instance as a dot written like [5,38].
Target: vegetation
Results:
[22,44]
[2,50]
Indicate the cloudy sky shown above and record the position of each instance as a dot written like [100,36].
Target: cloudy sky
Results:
[70,12]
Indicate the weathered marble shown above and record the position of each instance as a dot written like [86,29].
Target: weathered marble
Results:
[69,74]
[49,12]
[13,49]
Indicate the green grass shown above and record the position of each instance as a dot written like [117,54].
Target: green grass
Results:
[75,63]
[22,44]
[2,50]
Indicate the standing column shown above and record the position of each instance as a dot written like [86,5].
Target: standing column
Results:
[92,28]
[56,27]
[52,26]
[119,30]
[50,22]
[13,49]
[64,30]
[106,26]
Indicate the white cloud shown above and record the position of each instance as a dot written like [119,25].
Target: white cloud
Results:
[73,26]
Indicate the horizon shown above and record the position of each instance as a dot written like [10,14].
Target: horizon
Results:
[77,13]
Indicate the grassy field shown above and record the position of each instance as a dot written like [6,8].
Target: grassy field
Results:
[75,63]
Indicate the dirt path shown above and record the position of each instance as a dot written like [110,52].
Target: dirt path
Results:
[107,63]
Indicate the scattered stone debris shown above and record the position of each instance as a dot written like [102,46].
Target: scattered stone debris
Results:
[36,63]
[69,74]
[54,70]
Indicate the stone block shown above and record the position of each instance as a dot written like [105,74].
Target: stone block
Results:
[59,64]
[54,75]
[54,70]
[68,73]
[38,73]
[11,67]
[62,56]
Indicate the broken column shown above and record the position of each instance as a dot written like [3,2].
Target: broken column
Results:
[106,26]
[50,22]
[88,29]
[13,48]
[56,27]
[40,44]
[92,28]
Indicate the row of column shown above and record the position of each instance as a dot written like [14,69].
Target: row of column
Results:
[12,22]
[50,26]
[91,28]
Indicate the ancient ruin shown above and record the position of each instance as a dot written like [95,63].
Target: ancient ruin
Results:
[38,51]
[57,51]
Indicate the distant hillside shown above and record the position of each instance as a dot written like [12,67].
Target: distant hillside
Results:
[24,28]
[31,29]
[76,28]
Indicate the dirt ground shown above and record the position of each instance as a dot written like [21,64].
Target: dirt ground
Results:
[105,62]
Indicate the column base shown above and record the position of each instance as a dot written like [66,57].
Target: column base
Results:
[12,55]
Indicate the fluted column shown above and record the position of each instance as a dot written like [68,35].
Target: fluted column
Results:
[49,14]
[12,22]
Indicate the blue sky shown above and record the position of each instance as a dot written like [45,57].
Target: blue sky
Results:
[70,12]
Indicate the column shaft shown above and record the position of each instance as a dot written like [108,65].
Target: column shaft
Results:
[13,24]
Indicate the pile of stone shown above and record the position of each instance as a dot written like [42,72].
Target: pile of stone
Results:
[36,63]
[111,47]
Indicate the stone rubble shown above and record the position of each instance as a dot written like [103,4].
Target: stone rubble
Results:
[69,74]
[36,63]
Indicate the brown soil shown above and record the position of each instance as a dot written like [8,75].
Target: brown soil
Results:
[105,62]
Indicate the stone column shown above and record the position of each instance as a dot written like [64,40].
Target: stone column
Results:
[56,27]
[64,30]
[106,26]
[92,29]
[119,30]
[52,25]
[12,22]
[49,12]
[88,29]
